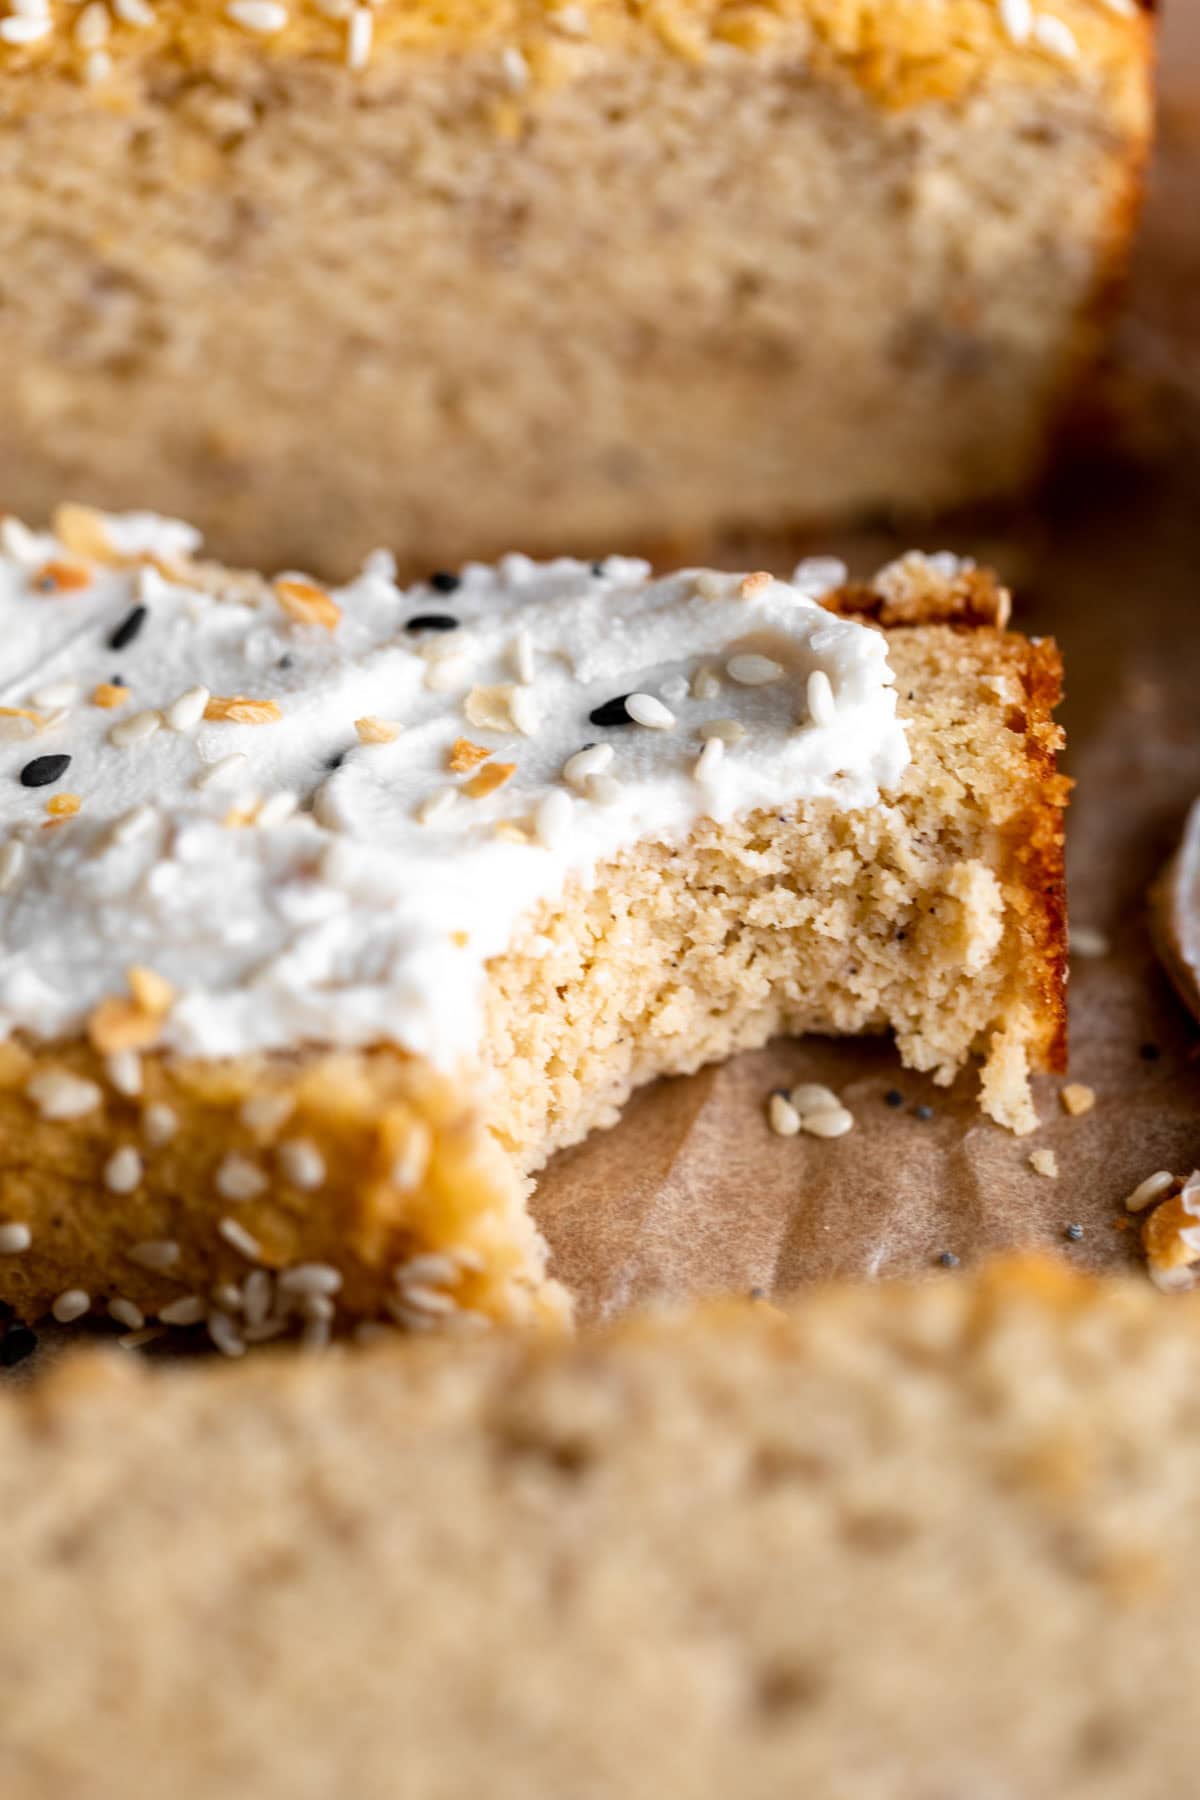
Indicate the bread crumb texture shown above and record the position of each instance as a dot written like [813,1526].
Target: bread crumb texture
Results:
[690,1556]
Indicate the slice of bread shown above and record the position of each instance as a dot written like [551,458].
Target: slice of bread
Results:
[900,1542]
[555,276]
[353,1030]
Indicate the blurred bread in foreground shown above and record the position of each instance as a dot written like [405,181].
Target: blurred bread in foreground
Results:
[902,1541]
[467,276]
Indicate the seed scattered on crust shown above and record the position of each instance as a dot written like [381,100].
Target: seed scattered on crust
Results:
[301,1163]
[1086,941]
[307,603]
[706,684]
[186,712]
[239,709]
[15,1238]
[308,1279]
[262,16]
[239,1179]
[782,1116]
[239,1239]
[818,692]
[1077,1098]
[135,729]
[123,1170]
[60,1095]
[552,818]
[752,670]
[126,1312]
[70,1305]
[189,1309]
[728,731]
[109,695]
[465,756]
[157,1254]
[490,777]
[709,761]
[266,1114]
[160,1123]
[124,1070]
[647,710]
[372,730]
[221,1328]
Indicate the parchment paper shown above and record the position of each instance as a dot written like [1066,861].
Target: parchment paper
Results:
[692,1193]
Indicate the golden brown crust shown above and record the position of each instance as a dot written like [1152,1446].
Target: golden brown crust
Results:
[902,55]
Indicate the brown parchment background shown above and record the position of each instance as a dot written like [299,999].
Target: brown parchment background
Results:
[692,1193]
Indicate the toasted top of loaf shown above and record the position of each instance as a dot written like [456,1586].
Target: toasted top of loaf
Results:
[907,1541]
[902,54]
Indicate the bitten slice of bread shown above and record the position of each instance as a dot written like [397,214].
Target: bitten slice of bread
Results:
[454,276]
[356,1024]
[900,1542]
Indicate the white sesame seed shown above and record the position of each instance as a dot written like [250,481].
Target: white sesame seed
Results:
[754,671]
[521,652]
[316,1334]
[709,761]
[436,805]
[97,67]
[515,69]
[186,712]
[135,1340]
[307,1279]
[552,820]
[1150,1190]
[18,542]
[592,761]
[92,27]
[782,1116]
[124,1071]
[265,16]
[158,1254]
[426,1299]
[134,12]
[302,1163]
[15,1238]
[818,575]
[524,711]
[727,731]
[123,1170]
[408,1316]
[430,1267]
[1127,9]
[223,774]
[813,1096]
[239,1239]
[126,1312]
[1055,37]
[221,1328]
[56,695]
[818,691]
[359,32]
[605,790]
[188,1310]
[276,810]
[835,1122]
[257,1297]
[58,1095]
[239,1179]
[134,824]
[70,1305]
[12,862]
[411,1162]
[645,709]
[706,684]
[159,1124]
[16,30]
[135,729]
[1085,941]
[266,1114]
[446,673]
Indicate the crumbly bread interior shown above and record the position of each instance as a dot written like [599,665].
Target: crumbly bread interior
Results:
[648,296]
[927,916]
[901,1542]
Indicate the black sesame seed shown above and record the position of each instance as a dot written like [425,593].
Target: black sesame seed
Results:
[613,712]
[285,662]
[17,1343]
[598,569]
[948,1259]
[117,680]
[1074,1232]
[128,629]
[893,1097]
[336,760]
[758,1293]
[922,1112]
[44,769]
[431,622]
[1149,1052]
[443,582]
